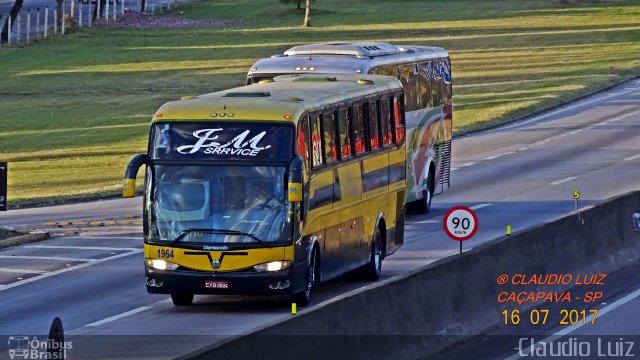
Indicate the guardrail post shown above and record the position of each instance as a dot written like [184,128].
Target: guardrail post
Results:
[62,27]
[28,26]
[37,23]
[9,32]
[46,21]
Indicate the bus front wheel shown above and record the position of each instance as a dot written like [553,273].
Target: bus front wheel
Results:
[312,276]
[182,299]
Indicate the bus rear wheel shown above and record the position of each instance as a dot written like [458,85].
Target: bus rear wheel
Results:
[182,299]
[312,276]
[373,269]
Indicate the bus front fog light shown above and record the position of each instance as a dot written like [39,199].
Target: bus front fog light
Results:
[272,266]
[161,264]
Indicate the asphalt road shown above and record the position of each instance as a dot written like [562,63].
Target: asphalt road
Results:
[519,175]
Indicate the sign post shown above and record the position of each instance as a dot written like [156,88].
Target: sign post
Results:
[460,223]
[3,186]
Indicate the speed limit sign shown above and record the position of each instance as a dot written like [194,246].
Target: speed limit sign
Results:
[460,223]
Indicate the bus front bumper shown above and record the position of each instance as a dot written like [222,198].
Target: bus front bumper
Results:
[283,282]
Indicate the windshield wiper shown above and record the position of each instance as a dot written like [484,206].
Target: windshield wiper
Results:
[185,233]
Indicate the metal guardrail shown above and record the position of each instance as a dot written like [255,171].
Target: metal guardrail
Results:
[33,25]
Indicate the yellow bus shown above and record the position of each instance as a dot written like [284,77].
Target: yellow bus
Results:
[273,187]
[425,73]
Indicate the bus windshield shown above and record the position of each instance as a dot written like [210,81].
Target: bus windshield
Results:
[218,204]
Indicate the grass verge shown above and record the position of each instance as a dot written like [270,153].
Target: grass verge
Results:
[74,109]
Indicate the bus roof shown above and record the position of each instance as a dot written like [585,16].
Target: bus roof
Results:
[290,95]
[344,57]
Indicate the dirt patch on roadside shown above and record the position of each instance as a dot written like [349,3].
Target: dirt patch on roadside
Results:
[136,20]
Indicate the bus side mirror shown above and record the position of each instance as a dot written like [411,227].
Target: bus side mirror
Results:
[295,180]
[130,174]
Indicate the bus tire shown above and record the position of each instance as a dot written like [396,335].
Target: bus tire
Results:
[372,270]
[312,276]
[423,206]
[182,299]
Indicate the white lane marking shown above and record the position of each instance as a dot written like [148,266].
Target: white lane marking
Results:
[558,182]
[632,158]
[103,238]
[454,169]
[575,132]
[120,316]
[468,164]
[79,247]
[524,148]
[71,268]
[479,206]
[589,127]
[561,110]
[492,157]
[43,258]
[427,222]
[623,101]
[571,328]
[21,271]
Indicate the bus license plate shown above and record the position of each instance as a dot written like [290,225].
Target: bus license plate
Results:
[216,284]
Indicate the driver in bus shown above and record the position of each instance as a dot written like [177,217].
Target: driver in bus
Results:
[261,195]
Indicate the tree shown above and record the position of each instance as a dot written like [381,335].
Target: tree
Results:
[307,15]
[307,11]
[13,13]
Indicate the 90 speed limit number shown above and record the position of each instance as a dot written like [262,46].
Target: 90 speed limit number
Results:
[460,223]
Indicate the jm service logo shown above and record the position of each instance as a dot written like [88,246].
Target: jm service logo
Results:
[22,347]
[239,145]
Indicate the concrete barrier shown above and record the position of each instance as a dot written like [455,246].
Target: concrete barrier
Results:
[426,310]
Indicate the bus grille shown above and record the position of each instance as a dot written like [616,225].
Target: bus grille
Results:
[444,149]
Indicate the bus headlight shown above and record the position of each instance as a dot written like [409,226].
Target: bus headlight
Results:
[272,266]
[161,264]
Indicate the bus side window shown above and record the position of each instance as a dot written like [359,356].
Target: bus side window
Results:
[398,118]
[302,147]
[316,142]
[330,141]
[374,127]
[344,133]
[385,122]
[358,128]
[409,79]
[436,84]
[424,84]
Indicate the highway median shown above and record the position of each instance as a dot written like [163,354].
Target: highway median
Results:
[424,311]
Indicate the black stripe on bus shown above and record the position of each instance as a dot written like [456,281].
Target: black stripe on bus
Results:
[321,197]
[375,179]
[325,195]
[396,172]
[207,254]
